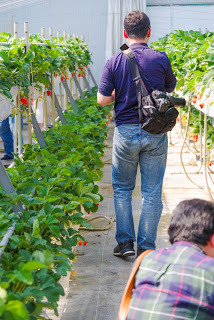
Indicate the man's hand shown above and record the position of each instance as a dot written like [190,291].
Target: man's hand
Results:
[105,101]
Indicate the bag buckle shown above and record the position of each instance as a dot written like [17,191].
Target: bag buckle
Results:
[137,78]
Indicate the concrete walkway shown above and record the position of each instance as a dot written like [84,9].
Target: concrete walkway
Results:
[95,292]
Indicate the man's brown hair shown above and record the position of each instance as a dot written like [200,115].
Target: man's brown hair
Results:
[136,24]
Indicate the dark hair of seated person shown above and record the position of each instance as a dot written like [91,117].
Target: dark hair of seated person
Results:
[193,221]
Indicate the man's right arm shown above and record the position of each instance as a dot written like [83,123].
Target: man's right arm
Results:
[106,93]
[105,100]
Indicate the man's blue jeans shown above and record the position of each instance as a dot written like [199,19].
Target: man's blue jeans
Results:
[7,129]
[6,133]
[132,146]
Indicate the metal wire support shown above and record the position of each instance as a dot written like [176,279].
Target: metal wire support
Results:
[205,158]
[7,186]
[183,144]
[202,157]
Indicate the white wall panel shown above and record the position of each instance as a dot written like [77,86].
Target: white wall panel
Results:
[160,21]
[166,19]
[194,17]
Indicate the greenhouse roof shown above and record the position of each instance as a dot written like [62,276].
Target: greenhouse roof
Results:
[178,2]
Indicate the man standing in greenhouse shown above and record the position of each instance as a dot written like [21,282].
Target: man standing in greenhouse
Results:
[131,144]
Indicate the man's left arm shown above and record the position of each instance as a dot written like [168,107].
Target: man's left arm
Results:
[170,82]
[106,93]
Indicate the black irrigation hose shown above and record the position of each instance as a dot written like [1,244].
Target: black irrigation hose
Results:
[98,229]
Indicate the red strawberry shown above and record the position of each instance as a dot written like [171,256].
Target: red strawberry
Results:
[201,105]
[84,243]
[62,78]
[48,93]
[89,212]
[24,101]
[195,138]
[80,243]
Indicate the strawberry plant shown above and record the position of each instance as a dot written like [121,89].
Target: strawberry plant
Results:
[192,57]
[56,185]
[39,62]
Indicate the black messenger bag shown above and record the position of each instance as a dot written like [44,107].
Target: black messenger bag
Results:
[157,112]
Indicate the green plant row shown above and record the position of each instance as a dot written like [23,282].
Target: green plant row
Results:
[57,186]
[192,57]
[39,61]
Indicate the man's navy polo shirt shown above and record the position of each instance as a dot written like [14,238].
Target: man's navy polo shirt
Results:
[116,75]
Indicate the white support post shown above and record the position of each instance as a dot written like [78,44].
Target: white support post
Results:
[45,111]
[31,115]
[52,85]
[29,95]
[18,126]
[51,34]
[83,79]
[19,133]
[26,35]
[76,91]
[60,94]
[15,30]
[58,36]
[15,139]
[64,36]
[60,84]
[66,76]
[53,100]
[71,85]
[43,33]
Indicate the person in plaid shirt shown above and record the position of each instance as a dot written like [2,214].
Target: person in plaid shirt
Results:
[178,282]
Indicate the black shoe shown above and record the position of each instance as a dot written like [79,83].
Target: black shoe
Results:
[139,251]
[6,157]
[124,249]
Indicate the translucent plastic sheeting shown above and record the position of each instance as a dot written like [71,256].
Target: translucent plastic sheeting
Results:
[177,2]
[117,9]
[12,4]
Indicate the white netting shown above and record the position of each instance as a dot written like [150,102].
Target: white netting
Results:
[5,108]
[5,104]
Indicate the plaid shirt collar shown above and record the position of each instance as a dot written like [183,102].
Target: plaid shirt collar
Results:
[189,244]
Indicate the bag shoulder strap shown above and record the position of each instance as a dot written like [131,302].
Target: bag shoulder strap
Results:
[134,68]
[145,76]
[138,82]
[126,298]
